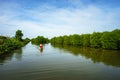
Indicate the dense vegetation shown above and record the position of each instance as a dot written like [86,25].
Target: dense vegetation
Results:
[19,35]
[8,44]
[106,40]
[39,40]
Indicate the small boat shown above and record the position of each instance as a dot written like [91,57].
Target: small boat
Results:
[41,46]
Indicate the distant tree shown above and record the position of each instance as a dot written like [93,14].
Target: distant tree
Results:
[95,39]
[19,35]
[66,40]
[75,39]
[106,40]
[40,39]
[109,40]
[53,40]
[81,40]
[116,33]
[59,40]
[86,40]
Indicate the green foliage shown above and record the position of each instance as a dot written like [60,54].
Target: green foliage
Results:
[59,40]
[9,44]
[86,40]
[25,41]
[117,34]
[81,40]
[2,39]
[19,35]
[75,39]
[40,39]
[13,43]
[95,40]
[106,40]
[111,40]
[66,40]
[53,40]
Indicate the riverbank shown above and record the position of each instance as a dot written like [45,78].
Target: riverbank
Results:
[105,40]
[8,44]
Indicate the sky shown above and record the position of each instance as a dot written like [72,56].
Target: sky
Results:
[50,18]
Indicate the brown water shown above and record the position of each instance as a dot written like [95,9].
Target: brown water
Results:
[57,62]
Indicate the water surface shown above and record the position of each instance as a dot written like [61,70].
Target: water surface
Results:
[58,62]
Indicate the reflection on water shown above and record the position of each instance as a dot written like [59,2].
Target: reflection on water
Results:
[18,54]
[108,57]
[8,56]
[59,63]
[41,51]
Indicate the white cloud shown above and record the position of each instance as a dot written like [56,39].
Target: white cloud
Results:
[50,21]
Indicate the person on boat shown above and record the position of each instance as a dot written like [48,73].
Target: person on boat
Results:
[41,46]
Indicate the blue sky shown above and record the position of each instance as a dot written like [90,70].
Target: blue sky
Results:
[51,18]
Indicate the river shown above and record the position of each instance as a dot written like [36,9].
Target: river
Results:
[57,62]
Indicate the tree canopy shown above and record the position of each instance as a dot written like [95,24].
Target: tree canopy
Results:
[106,40]
[39,40]
[19,35]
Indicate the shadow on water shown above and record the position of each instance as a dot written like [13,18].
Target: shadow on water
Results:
[108,57]
[41,50]
[9,56]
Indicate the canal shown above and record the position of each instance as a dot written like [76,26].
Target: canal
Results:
[58,62]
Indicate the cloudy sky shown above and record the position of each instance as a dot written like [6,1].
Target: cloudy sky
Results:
[51,18]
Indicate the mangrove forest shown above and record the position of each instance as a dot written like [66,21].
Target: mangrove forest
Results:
[105,40]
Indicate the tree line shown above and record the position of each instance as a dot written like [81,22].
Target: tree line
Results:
[39,40]
[7,44]
[105,40]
